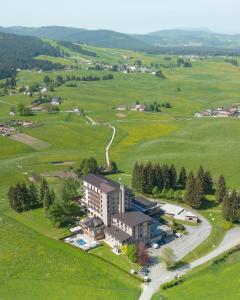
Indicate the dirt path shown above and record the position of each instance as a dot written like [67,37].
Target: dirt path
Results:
[111,141]
[110,144]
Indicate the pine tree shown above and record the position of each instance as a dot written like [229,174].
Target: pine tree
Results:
[182,179]
[47,200]
[159,180]
[173,176]
[231,207]
[208,183]
[190,189]
[43,190]
[198,194]
[144,179]
[34,198]
[201,177]
[226,207]
[166,176]
[149,178]
[221,189]
[25,197]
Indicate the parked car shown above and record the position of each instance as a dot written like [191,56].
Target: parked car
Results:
[146,279]
[155,245]
[178,234]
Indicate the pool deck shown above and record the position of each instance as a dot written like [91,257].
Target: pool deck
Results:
[90,243]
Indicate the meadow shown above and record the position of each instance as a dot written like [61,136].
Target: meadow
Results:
[207,281]
[30,244]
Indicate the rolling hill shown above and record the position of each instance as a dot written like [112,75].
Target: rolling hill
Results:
[193,38]
[99,38]
[19,52]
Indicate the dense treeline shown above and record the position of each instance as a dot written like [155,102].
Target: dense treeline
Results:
[77,48]
[19,52]
[59,80]
[165,181]
[62,210]
[24,198]
[191,50]
[156,179]
[232,61]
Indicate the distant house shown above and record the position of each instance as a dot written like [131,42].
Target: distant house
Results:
[56,101]
[139,107]
[198,115]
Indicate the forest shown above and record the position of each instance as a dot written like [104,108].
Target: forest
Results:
[18,52]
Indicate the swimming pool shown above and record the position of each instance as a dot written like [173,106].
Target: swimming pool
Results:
[81,242]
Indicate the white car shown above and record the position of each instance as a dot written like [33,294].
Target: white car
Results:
[155,246]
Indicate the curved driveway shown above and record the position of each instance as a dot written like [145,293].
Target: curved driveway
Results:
[159,275]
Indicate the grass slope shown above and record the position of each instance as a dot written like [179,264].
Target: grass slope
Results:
[212,281]
[36,267]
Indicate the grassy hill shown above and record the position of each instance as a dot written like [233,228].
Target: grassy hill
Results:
[100,38]
[19,52]
[181,38]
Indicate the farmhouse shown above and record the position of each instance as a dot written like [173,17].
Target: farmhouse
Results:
[6,130]
[56,101]
[139,107]
[179,213]
[219,112]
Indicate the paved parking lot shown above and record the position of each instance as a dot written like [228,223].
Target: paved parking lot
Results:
[188,242]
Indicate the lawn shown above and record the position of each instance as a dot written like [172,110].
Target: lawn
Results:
[212,281]
[121,261]
[35,267]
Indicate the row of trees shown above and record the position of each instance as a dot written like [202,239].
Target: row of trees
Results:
[146,177]
[59,80]
[24,198]
[62,210]
[91,166]
[164,181]
[155,179]
[197,187]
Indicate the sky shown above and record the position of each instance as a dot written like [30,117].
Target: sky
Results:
[129,16]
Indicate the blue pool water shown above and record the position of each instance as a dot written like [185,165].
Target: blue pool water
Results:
[81,242]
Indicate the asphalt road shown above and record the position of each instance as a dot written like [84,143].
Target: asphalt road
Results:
[159,275]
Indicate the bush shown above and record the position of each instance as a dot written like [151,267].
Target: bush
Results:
[172,283]
[131,252]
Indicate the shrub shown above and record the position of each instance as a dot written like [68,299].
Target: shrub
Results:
[172,283]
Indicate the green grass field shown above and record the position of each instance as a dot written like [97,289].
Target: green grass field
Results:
[211,281]
[172,136]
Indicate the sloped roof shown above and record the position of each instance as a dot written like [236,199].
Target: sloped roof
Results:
[133,218]
[104,184]
[119,234]
[93,222]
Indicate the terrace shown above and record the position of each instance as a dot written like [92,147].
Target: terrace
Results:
[82,241]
